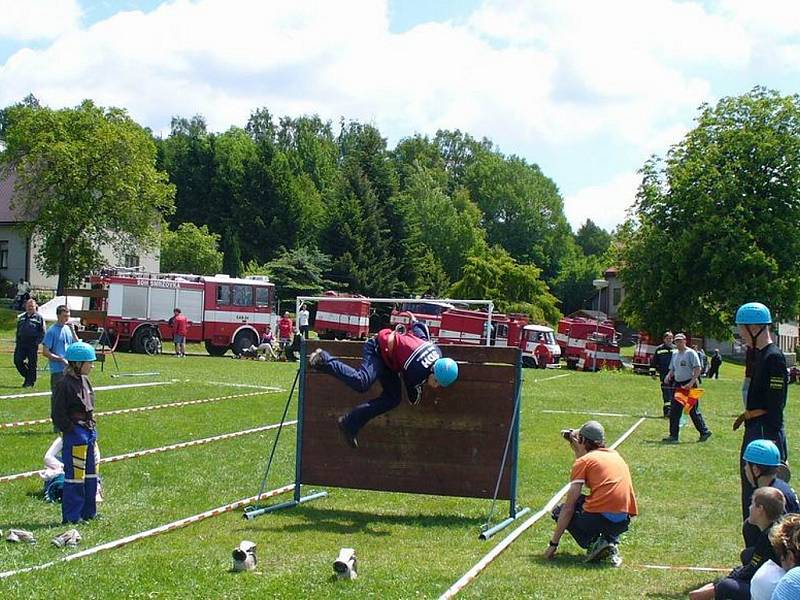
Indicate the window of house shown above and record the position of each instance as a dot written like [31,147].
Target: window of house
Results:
[131,260]
[223,294]
[3,255]
[617,296]
[243,295]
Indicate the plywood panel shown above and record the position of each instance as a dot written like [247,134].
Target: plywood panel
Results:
[450,444]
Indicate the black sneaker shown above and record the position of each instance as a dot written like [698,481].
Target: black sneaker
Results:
[348,437]
[670,440]
[598,550]
[704,436]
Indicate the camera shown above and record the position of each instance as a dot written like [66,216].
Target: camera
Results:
[566,434]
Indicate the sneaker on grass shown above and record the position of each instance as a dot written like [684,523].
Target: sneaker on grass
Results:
[614,557]
[598,549]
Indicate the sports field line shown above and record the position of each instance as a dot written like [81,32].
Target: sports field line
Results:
[681,568]
[123,411]
[230,384]
[553,377]
[147,452]
[597,414]
[102,388]
[476,570]
[151,532]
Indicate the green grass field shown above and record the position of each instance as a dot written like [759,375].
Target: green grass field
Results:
[408,546]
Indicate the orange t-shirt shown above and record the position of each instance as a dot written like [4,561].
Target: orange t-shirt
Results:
[607,476]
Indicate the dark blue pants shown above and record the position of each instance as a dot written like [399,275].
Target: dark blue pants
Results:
[80,475]
[585,527]
[360,379]
[676,410]
[758,429]
[25,359]
[729,588]
[666,397]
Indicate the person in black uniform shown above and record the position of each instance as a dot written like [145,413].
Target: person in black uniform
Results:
[766,394]
[716,361]
[30,333]
[660,362]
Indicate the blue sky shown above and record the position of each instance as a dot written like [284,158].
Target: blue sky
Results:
[586,90]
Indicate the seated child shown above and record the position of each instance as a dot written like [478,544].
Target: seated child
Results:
[766,507]
[785,538]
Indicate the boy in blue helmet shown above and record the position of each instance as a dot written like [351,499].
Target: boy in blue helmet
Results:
[73,413]
[766,394]
[403,361]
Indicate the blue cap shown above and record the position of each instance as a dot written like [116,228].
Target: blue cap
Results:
[763,452]
[446,371]
[753,313]
[80,352]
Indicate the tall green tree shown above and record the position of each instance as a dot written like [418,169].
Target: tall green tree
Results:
[513,287]
[86,177]
[190,249]
[592,239]
[300,271]
[573,284]
[715,222]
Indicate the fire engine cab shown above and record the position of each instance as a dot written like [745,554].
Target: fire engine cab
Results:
[588,343]
[224,312]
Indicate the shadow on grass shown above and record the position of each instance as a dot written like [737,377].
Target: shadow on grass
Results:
[350,521]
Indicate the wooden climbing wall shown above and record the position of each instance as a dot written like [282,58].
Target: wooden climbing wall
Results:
[451,444]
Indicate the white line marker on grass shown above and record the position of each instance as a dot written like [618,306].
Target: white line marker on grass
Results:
[178,446]
[151,532]
[102,388]
[241,385]
[123,411]
[553,377]
[679,568]
[587,412]
[473,573]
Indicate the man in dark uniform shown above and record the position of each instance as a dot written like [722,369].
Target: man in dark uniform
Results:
[766,395]
[660,362]
[30,333]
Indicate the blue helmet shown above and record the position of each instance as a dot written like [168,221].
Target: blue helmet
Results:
[763,452]
[753,313]
[446,371]
[80,352]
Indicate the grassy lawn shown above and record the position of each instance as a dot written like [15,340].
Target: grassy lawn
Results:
[408,546]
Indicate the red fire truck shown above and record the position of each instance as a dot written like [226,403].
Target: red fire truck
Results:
[643,353]
[223,312]
[342,319]
[426,311]
[588,343]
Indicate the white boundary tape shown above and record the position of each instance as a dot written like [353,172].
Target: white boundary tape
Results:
[588,412]
[102,388]
[553,377]
[151,532]
[241,385]
[470,575]
[673,568]
[178,446]
[123,411]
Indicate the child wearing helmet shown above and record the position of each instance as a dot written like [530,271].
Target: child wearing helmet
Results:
[765,397]
[73,413]
[403,362]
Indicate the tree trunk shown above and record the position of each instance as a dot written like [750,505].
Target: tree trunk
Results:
[63,274]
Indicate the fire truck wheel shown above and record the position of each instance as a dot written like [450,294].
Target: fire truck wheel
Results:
[215,350]
[529,362]
[140,338]
[243,339]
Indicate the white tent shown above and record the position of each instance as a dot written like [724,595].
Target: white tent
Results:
[48,309]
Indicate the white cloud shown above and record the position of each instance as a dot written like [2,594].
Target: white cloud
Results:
[526,74]
[28,20]
[605,204]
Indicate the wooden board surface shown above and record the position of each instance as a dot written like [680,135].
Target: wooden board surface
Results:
[450,444]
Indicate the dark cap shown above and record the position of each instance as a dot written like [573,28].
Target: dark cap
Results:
[593,431]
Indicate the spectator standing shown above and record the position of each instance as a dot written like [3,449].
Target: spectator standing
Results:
[180,329]
[684,371]
[703,360]
[715,362]
[30,333]
[662,357]
[54,345]
[595,521]
[302,321]
[766,393]
[285,328]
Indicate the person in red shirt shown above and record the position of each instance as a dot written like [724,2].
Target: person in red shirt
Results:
[402,361]
[180,329]
[285,328]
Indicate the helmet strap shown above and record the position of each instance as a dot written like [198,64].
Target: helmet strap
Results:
[754,337]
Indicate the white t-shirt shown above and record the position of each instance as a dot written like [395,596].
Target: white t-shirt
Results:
[302,318]
[765,580]
[683,363]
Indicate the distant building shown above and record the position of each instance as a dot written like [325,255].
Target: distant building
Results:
[17,251]
[609,298]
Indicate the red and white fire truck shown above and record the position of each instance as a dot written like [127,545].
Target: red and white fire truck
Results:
[588,343]
[643,353]
[342,319]
[426,311]
[223,312]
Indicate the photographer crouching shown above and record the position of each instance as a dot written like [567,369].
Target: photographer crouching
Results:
[595,520]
